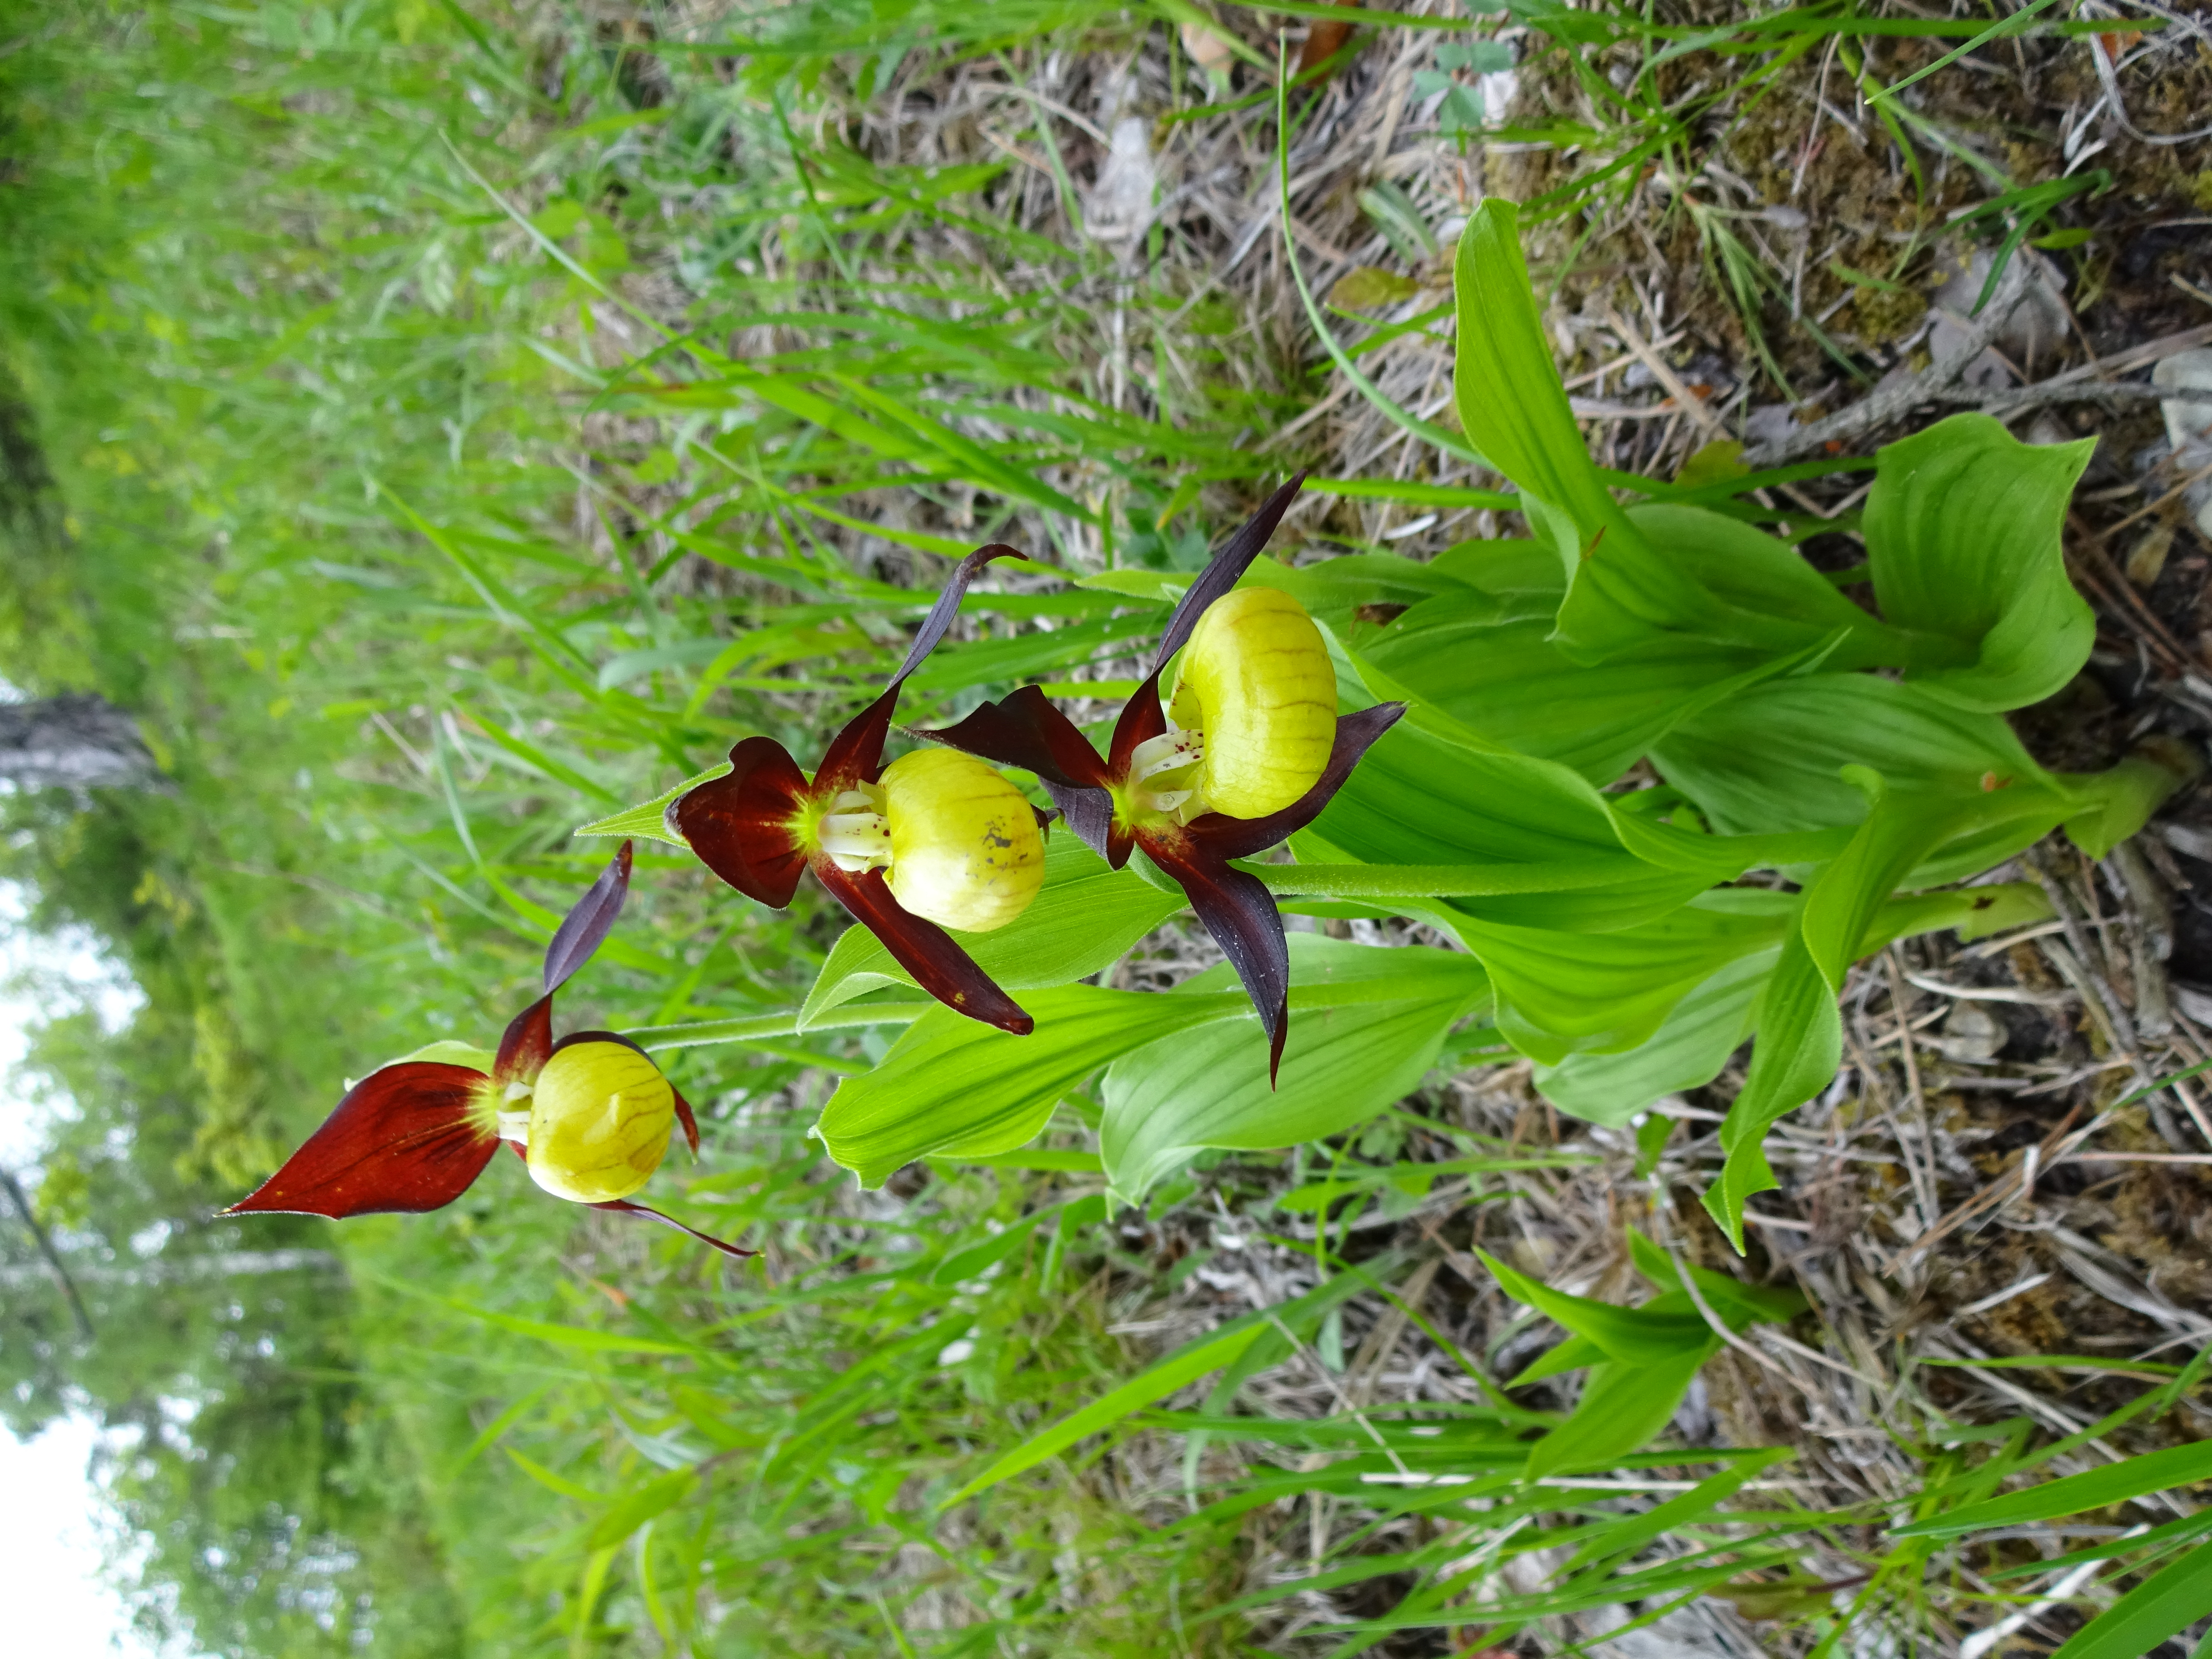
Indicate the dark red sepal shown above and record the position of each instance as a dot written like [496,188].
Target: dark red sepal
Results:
[740,824]
[938,965]
[685,1117]
[1240,838]
[407,1139]
[526,1044]
[1240,912]
[1237,909]
[623,1206]
[855,754]
[1025,730]
[1230,562]
[930,634]
[583,928]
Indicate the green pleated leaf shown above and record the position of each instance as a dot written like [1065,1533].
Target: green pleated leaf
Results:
[1693,1042]
[1366,1025]
[1963,533]
[1637,1335]
[1624,1407]
[1737,1304]
[1561,993]
[1772,759]
[1514,409]
[952,1084]
[1687,1051]
[1509,681]
[1800,1044]
[1427,794]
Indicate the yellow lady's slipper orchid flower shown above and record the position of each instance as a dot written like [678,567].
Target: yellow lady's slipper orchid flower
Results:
[591,1114]
[911,849]
[1251,752]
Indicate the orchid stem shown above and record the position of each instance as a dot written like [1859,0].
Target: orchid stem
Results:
[1383,881]
[766,1028]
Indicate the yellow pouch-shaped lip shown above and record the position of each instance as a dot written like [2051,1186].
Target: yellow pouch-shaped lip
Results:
[966,851]
[1257,681]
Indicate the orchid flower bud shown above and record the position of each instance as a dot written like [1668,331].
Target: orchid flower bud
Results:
[600,1117]
[1256,700]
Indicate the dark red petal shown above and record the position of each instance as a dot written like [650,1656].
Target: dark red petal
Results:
[856,753]
[1142,719]
[685,1117]
[924,950]
[1025,730]
[1240,838]
[1231,561]
[739,824]
[526,1044]
[1120,842]
[583,927]
[1241,915]
[407,1138]
[623,1206]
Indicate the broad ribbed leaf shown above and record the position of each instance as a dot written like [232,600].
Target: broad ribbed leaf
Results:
[1770,759]
[1510,682]
[950,1081]
[1365,1026]
[1687,1051]
[1624,1407]
[1512,407]
[1963,533]
[1424,795]
[1560,993]
[1695,1040]
[1637,1335]
[1800,1043]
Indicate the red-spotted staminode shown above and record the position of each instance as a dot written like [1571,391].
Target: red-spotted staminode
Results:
[592,1115]
[1249,751]
[935,840]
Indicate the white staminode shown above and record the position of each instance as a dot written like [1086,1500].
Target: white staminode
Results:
[854,832]
[515,1125]
[1173,751]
